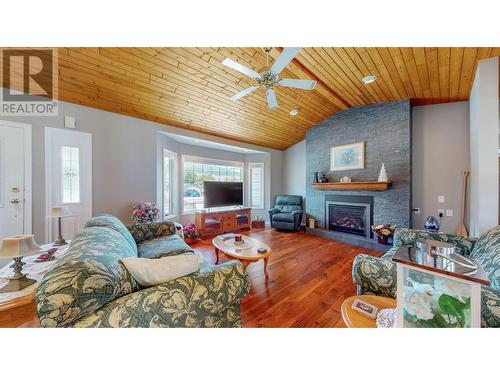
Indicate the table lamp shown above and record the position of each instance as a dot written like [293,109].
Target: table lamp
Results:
[60,212]
[16,248]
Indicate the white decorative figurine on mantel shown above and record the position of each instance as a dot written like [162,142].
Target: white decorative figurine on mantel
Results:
[383,175]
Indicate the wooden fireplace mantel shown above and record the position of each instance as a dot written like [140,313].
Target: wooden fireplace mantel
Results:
[354,185]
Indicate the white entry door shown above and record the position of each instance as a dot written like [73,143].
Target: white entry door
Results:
[15,179]
[68,174]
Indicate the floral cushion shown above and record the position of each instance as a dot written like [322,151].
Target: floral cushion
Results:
[490,307]
[144,232]
[487,252]
[163,246]
[208,298]
[87,277]
[112,222]
[375,275]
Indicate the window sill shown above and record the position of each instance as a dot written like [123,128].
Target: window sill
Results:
[169,217]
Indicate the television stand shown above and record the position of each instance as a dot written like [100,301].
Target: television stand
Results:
[221,221]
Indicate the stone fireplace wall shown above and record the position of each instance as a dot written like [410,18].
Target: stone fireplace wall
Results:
[386,128]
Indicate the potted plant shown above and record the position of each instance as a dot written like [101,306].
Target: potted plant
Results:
[191,234]
[145,213]
[383,232]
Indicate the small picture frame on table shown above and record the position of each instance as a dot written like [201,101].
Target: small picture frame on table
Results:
[365,308]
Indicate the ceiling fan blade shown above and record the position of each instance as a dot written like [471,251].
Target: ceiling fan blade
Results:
[284,58]
[243,93]
[271,99]
[240,68]
[304,84]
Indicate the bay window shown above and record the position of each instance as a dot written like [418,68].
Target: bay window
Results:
[169,161]
[196,170]
[256,183]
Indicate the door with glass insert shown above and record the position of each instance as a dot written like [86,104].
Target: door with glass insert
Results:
[69,179]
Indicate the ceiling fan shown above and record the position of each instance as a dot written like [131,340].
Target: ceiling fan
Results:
[270,77]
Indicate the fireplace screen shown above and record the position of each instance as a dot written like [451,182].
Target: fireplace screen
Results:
[349,218]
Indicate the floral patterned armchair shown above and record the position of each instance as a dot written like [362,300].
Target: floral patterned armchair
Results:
[373,275]
[90,287]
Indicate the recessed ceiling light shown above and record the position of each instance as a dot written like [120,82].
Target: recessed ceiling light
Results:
[294,112]
[369,79]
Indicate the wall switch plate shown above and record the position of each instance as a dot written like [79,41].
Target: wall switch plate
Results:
[449,212]
[440,211]
[416,210]
[69,122]
[440,198]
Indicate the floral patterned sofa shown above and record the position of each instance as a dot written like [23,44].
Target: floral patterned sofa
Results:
[90,287]
[373,275]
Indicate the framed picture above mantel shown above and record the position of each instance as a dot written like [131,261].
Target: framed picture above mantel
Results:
[348,157]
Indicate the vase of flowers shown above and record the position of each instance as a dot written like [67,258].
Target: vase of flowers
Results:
[145,213]
[383,232]
[191,234]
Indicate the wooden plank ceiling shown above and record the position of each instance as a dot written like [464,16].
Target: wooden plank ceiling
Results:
[189,87]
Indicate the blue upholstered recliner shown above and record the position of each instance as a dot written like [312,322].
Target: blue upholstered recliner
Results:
[287,212]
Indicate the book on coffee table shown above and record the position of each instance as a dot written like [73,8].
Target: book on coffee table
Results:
[226,236]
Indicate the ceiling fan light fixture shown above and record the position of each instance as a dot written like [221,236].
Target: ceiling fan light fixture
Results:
[270,77]
[369,79]
[294,112]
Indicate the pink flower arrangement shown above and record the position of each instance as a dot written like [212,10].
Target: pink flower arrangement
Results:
[145,213]
[191,233]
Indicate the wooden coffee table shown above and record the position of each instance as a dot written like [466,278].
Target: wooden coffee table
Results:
[354,319]
[245,255]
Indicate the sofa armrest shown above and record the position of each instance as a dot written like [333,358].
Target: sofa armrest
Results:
[374,275]
[144,232]
[207,298]
[297,212]
[490,307]
[272,212]
[409,237]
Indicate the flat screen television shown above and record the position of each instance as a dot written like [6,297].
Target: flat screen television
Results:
[221,194]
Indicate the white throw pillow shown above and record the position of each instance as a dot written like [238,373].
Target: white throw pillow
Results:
[150,272]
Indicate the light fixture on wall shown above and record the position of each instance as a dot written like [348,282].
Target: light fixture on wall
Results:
[369,79]
[294,112]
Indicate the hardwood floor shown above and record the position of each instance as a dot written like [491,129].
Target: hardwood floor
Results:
[310,277]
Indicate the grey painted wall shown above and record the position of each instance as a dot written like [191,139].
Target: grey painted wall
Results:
[440,155]
[386,129]
[294,169]
[125,159]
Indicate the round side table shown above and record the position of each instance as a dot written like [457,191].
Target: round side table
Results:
[354,319]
